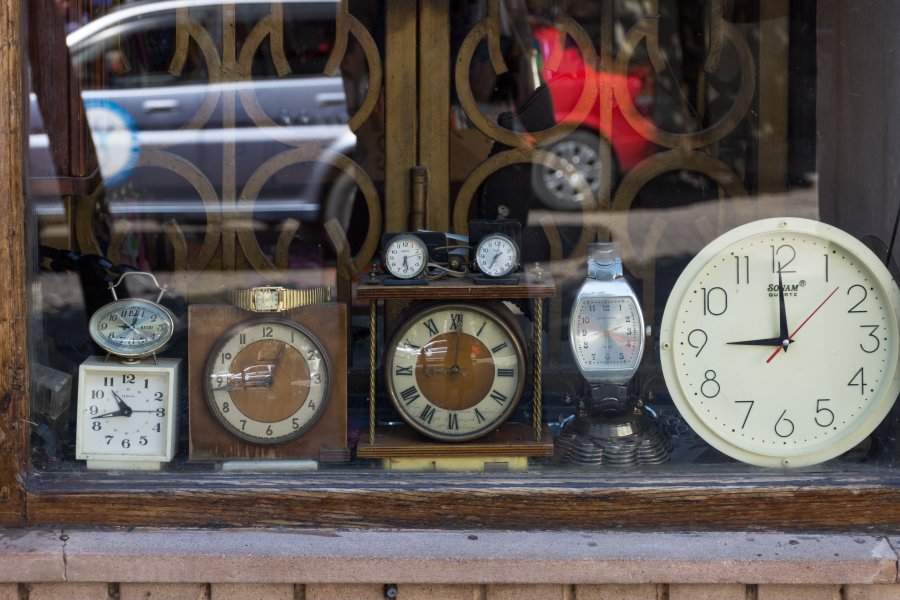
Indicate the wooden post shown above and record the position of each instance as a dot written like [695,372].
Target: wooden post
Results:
[13,331]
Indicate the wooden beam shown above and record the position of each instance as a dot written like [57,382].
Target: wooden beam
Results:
[14,429]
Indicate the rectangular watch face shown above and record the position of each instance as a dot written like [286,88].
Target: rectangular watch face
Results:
[607,335]
[267,299]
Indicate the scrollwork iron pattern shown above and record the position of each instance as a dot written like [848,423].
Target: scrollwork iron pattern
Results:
[609,212]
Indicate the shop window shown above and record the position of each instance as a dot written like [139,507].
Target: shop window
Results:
[466,250]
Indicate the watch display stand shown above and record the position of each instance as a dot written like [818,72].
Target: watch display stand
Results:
[612,429]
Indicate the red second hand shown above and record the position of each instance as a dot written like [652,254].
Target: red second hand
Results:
[791,337]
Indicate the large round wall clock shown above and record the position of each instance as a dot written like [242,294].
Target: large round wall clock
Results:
[455,371]
[779,342]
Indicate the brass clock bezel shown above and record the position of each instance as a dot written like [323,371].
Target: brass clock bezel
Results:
[229,335]
[497,314]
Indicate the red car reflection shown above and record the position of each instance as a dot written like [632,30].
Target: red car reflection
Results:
[559,187]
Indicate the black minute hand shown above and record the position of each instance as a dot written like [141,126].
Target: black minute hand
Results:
[783,330]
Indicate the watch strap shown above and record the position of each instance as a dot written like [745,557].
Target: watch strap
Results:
[277,298]
[604,261]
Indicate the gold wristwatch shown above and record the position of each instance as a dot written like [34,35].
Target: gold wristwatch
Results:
[267,299]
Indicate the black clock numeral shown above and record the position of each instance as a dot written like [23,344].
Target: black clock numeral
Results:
[158,396]
[784,427]
[96,395]
[225,357]
[160,412]
[715,301]
[128,378]
[506,372]
[855,308]
[499,347]
[478,416]
[410,394]
[157,428]
[143,441]
[746,269]
[480,329]
[785,251]
[828,415]
[499,397]
[126,443]
[710,387]
[826,267]
[872,329]
[242,339]
[268,331]
[95,426]
[109,439]
[427,413]
[749,408]
[456,321]
[453,421]
[860,380]
[407,371]
[107,381]
[431,327]
[697,342]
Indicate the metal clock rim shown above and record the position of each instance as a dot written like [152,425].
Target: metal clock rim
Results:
[223,340]
[512,243]
[618,288]
[406,236]
[157,347]
[488,308]
[881,405]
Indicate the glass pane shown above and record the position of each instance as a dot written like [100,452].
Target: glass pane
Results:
[250,156]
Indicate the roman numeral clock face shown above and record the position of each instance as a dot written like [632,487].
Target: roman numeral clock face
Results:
[455,372]
[779,343]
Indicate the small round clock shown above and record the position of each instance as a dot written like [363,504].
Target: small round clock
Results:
[497,255]
[132,327]
[267,381]
[455,371]
[779,342]
[405,256]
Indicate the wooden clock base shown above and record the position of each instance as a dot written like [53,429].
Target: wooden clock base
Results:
[508,448]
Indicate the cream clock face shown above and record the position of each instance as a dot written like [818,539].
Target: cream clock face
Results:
[779,342]
[455,372]
[268,381]
[126,412]
[405,256]
[497,255]
[132,327]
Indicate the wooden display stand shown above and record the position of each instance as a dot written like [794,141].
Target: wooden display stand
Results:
[508,447]
[325,442]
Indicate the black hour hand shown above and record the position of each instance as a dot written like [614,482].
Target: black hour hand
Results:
[764,342]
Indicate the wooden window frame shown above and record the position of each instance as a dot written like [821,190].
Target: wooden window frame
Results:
[708,499]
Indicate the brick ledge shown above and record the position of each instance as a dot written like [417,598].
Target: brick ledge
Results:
[458,557]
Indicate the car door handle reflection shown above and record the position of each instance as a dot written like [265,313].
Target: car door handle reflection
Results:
[160,105]
[331,99]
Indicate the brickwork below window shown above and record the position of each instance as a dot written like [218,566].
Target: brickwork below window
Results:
[443,565]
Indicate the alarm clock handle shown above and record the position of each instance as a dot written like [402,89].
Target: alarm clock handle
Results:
[113,286]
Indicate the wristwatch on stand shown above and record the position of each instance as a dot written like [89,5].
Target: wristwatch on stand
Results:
[607,336]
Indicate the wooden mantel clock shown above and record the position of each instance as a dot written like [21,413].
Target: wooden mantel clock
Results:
[455,368]
[267,377]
